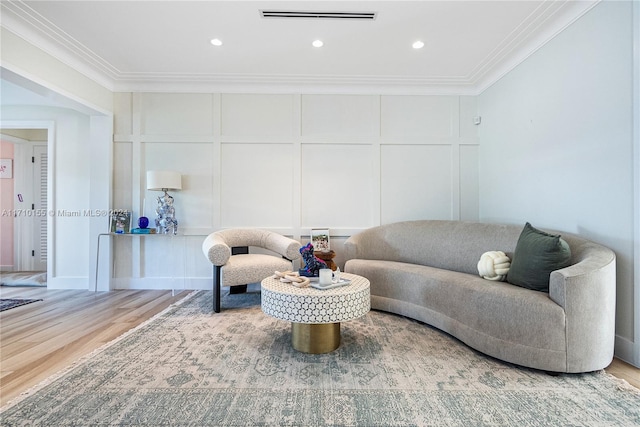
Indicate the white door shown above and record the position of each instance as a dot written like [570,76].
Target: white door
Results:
[39,243]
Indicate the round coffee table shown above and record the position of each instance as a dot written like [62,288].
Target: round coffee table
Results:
[315,314]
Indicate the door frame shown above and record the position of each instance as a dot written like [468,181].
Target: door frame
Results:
[21,261]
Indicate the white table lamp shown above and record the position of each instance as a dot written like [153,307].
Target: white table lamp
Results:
[166,221]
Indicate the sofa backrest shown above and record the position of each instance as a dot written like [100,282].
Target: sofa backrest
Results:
[450,245]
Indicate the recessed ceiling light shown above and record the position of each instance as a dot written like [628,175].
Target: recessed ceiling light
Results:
[418,45]
[216,42]
[317,43]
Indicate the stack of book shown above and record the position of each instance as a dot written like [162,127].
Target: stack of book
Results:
[143,231]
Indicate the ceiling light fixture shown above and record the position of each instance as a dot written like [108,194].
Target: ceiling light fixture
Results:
[216,42]
[418,45]
[317,43]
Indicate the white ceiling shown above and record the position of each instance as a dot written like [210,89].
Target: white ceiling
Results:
[165,45]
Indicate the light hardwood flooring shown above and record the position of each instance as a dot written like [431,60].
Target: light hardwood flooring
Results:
[39,339]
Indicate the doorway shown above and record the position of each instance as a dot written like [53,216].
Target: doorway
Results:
[24,208]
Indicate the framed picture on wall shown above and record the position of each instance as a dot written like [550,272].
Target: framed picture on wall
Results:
[120,221]
[6,168]
[320,239]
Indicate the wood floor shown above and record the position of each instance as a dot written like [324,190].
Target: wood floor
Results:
[39,339]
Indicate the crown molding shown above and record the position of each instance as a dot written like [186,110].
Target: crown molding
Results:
[257,83]
[48,38]
[540,27]
[515,39]
[541,30]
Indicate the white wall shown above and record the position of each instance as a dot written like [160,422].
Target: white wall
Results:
[287,163]
[69,153]
[557,145]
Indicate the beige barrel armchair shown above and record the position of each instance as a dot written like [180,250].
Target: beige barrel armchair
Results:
[234,265]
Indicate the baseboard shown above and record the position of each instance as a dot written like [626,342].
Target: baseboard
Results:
[155,283]
[624,350]
[161,283]
[66,282]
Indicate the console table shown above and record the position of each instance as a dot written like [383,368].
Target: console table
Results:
[149,235]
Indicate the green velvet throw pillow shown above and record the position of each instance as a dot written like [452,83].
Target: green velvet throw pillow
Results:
[537,254]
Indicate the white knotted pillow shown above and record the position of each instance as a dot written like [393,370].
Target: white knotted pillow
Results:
[494,265]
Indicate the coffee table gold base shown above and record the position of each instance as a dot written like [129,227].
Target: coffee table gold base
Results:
[315,338]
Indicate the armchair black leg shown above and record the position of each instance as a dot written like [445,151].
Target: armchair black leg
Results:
[216,289]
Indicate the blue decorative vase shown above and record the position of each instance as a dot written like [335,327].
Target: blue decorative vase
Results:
[143,222]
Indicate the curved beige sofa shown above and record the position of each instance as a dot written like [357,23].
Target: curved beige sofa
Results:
[427,270]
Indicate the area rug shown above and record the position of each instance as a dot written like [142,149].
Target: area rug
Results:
[191,367]
[9,303]
[23,278]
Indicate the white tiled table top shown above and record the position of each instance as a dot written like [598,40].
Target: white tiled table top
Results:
[310,305]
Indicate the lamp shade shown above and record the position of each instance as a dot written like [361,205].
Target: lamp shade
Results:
[164,180]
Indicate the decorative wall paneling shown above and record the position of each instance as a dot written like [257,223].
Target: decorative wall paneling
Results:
[287,163]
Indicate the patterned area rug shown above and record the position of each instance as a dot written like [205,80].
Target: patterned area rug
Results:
[191,367]
[9,303]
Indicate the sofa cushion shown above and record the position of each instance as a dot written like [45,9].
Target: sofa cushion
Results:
[537,254]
